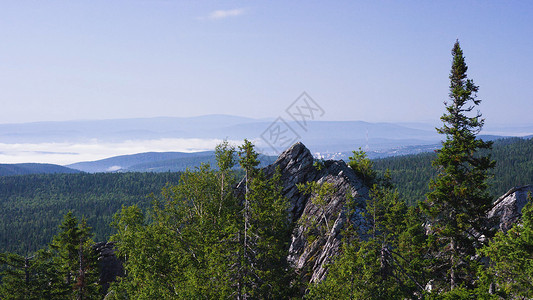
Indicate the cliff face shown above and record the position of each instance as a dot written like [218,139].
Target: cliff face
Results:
[507,209]
[311,248]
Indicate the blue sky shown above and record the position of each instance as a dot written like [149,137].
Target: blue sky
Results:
[374,61]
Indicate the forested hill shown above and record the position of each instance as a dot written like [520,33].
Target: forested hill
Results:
[155,162]
[411,173]
[32,168]
[32,206]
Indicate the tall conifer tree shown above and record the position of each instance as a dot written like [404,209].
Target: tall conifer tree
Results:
[458,202]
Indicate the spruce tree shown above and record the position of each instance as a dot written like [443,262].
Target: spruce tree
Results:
[75,259]
[67,270]
[458,202]
[33,277]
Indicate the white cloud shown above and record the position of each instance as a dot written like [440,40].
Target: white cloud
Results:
[223,14]
[67,153]
[114,168]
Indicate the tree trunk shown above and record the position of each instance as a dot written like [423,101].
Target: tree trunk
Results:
[453,279]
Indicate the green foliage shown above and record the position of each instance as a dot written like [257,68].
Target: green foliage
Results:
[270,229]
[410,173]
[320,197]
[32,206]
[319,164]
[28,277]
[75,259]
[247,156]
[172,255]
[511,258]
[458,202]
[362,166]
[459,293]
[382,258]
[67,270]
[199,240]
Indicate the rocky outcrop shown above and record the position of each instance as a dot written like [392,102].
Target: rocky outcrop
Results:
[110,266]
[311,249]
[309,254]
[507,210]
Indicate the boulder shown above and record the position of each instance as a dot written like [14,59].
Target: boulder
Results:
[507,210]
[109,264]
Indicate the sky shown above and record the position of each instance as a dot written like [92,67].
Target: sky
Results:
[375,61]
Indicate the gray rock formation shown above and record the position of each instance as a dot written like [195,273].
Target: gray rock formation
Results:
[110,266]
[310,253]
[311,249]
[507,210]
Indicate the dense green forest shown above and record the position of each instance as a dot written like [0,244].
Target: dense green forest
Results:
[32,168]
[411,173]
[215,236]
[32,206]
[192,244]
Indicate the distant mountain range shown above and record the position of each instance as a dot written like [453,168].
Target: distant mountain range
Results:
[150,161]
[32,168]
[155,162]
[334,136]
[50,141]
[211,126]
[316,134]
[142,162]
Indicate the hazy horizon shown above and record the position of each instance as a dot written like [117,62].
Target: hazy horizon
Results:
[370,61]
[64,142]
[379,61]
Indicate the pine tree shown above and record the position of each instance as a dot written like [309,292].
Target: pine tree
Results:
[33,277]
[75,259]
[458,202]
[225,157]
[362,166]
[66,270]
